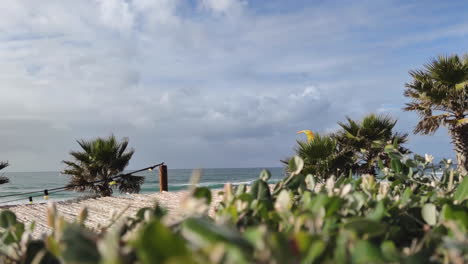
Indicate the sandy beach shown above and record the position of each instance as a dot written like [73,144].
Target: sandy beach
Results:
[100,210]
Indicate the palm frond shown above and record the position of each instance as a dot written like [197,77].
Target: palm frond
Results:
[442,85]
[130,183]
[100,159]
[428,125]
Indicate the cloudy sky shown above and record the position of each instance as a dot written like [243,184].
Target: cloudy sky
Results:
[209,83]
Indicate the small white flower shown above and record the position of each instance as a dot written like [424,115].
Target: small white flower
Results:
[433,183]
[384,187]
[405,159]
[429,158]
[346,189]
[241,205]
[330,184]
[368,182]
[449,161]
[386,171]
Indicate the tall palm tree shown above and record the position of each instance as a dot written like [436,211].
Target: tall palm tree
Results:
[94,168]
[3,179]
[439,94]
[367,139]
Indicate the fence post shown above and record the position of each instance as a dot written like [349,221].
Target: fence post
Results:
[163,178]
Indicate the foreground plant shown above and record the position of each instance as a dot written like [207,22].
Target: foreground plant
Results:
[406,214]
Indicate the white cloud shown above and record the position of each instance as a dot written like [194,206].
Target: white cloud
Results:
[224,6]
[175,77]
[116,14]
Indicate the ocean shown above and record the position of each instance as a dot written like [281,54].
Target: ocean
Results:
[178,179]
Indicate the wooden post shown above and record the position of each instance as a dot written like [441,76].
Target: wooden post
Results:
[163,178]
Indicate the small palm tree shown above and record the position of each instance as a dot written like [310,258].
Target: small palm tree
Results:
[367,140]
[3,179]
[322,156]
[356,147]
[439,94]
[94,167]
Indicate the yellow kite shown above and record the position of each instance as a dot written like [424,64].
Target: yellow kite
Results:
[309,134]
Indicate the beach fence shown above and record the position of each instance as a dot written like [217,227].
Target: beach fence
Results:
[163,178]
[163,186]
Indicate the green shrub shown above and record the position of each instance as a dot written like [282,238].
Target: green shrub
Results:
[405,214]
[354,148]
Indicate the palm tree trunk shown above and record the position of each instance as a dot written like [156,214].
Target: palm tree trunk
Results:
[460,141]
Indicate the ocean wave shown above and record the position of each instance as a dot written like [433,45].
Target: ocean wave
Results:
[220,183]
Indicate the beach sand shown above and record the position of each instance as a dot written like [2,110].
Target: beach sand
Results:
[100,210]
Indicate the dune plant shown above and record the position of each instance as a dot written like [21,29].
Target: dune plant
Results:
[405,214]
[439,94]
[95,167]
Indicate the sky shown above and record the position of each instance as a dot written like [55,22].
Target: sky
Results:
[210,83]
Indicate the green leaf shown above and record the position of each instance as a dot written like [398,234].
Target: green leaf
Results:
[78,245]
[462,190]
[380,164]
[203,233]
[405,198]
[260,191]
[36,247]
[318,202]
[378,213]
[295,165]
[333,205]
[363,226]
[390,252]
[429,214]
[455,213]
[315,251]
[7,219]
[53,246]
[202,193]
[156,211]
[155,243]
[265,175]
[410,163]
[240,189]
[365,252]
[461,86]
[396,165]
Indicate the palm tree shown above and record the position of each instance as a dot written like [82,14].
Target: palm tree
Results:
[94,168]
[367,140]
[439,94]
[3,179]
[356,147]
[323,157]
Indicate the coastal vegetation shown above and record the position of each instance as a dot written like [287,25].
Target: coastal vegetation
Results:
[355,148]
[3,179]
[405,214]
[95,167]
[439,94]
